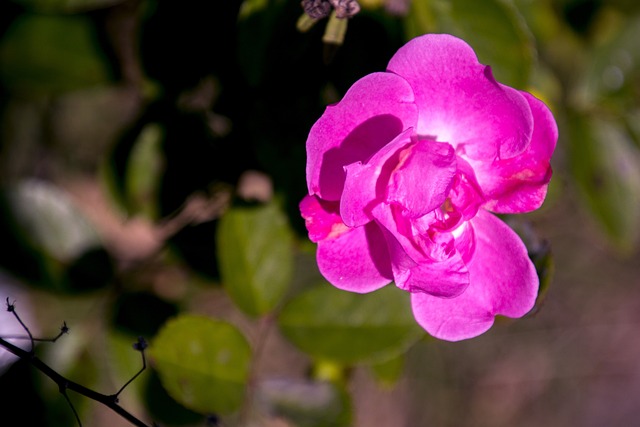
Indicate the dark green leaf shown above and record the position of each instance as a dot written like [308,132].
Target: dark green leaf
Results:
[47,53]
[494,28]
[255,28]
[163,408]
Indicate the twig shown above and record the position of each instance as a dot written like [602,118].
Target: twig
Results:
[11,308]
[64,329]
[64,384]
[140,346]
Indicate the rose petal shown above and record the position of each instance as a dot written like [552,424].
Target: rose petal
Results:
[390,219]
[423,177]
[417,177]
[416,271]
[321,218]
[444,279]
[459,101]
[502,278]
[361,190]
[373,112]
[519,184]
[466,196]
[356,260]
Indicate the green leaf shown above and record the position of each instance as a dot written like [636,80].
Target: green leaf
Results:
[494,28]
[256,24]
[203,363]
[420,19]
[346,327]
[52,54]
[605,164]
[255,256]
[163,409]
[144,171]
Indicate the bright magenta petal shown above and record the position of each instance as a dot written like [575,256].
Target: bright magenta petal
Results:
[466,195]
[357,260]
[372,113]
[503,281]
[362,190]
[459,101]
[321,218]
[519,184]
[423,177]
[445,279]
[392,222]
[413,270]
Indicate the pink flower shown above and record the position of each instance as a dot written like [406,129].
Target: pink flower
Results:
[402,174]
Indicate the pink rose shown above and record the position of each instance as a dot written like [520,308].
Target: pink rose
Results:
[403,173]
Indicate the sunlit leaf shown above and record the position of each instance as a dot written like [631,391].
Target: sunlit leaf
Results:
[203,363]
[329,323]
[494,28]
[51,53]
[256,256]
[606,166]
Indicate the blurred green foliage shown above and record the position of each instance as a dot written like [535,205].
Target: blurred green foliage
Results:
[129,126]
[371,327]
[203,363]
[256,256]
